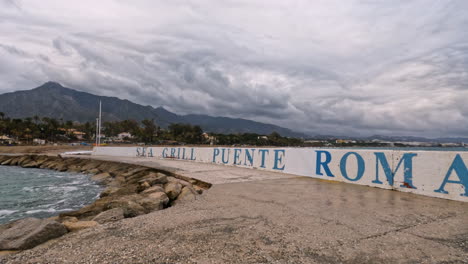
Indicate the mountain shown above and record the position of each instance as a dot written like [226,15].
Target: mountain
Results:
[53,100]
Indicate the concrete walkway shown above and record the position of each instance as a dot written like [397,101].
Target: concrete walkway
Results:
[251,216]
[212,173]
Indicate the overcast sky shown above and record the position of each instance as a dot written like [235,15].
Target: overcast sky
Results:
[339,67]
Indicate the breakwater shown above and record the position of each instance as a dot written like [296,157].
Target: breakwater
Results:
[441,174]
[131,190]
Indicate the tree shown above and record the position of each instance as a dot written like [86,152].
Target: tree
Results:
[149,129]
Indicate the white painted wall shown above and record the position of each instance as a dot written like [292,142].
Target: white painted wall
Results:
[426,171]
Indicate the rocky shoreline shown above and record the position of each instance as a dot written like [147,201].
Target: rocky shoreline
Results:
[131,190]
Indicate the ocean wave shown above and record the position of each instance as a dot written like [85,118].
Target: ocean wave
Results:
[48,210]
[7,212]
[66,189]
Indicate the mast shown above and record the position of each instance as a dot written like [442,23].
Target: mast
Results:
[100,116]
[97,131]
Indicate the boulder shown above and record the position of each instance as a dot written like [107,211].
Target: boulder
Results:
[4,158]
[30,164]
[93,171]
[68,219]
[7,162]
[154,201]
[30,232]
[143,186]
[128,204]
[79,225]
[41,160]
[108,191]
[152,189]
[90,165]
[102,177]
[111,215]
[173,189]
[24,159]
[14,161]
[134,171]
[74,168]
[186,195]
[157,178]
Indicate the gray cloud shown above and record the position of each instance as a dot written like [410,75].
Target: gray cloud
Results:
[354,67]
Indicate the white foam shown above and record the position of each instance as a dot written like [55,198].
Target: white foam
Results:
[49,210]
[7,212]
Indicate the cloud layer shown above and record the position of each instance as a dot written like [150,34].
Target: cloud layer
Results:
[320,67]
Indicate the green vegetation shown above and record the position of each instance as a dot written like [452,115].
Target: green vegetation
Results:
[30,130]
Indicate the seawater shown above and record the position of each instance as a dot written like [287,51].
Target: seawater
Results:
[43,193]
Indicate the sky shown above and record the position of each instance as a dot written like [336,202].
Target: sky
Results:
[354,67]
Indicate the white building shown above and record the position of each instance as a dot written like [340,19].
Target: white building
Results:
[124,135]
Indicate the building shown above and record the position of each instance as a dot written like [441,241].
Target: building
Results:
[39,141]
[6,140]
[124,135]
[79,135]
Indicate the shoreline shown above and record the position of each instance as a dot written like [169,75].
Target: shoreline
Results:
[130,190]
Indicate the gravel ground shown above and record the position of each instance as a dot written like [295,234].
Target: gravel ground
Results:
[293,220]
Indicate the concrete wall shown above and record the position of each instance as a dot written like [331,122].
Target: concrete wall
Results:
[440,174]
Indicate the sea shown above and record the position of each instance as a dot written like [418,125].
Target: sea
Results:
[43,193]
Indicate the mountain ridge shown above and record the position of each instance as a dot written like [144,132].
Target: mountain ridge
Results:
[56,101]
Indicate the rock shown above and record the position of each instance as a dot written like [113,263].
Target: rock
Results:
[134,171]
[172,179]
[30,164]
[102,177]
[41,160]
[198,189]
[184,183]
[155,188]
[90,165]
[61,167]
[108,191]
[111,215]
[186,195]
[154,201]
[128,204]
[45,164]
[172,189]
[4,158]
[93,171]
[68,219]
[90,210]
[30,232]
[143,186]
[74,168]
[157,178]
[24,159]
[7,162]
[14,161]
[79,225]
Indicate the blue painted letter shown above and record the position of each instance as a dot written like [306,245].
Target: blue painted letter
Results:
[249,157]
[407,159]
[236,156]
[228,154]
[215,154]
[263,151]
[360,164]
[460,169]
[319,164]
[279,159]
